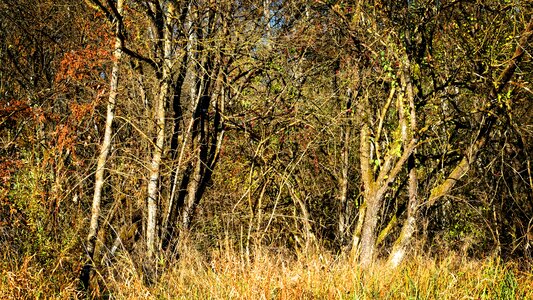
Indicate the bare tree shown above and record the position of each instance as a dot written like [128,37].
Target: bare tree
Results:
[104,151]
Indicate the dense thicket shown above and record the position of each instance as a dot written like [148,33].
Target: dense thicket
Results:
[363,128]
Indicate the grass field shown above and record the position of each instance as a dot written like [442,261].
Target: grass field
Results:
[228,274]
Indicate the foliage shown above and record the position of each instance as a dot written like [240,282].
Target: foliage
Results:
[270,137]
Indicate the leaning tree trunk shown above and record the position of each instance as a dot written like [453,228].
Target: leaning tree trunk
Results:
[470,155]
[200,142]
[102,157]
[464,164]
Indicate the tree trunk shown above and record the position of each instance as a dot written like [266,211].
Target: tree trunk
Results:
[345,164]
[371,204]
[343,189]
[102,157]
[471,154]
[177,88]
[206,138]
[409,227]
[153,184]
[375,189]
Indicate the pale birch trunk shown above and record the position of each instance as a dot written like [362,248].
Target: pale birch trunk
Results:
[153,184]
[343,190]
[104,152]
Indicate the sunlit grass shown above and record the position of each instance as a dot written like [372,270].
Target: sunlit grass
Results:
[228,274]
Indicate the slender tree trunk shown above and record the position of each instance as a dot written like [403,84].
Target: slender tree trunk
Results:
[205,143]
[153,184]
[191,192]
[266,13]
[102,157]
[356,239]
[310,239]
[409,227]
[345,156]
[343,190]
[169,218]
[200,147]
[371,204]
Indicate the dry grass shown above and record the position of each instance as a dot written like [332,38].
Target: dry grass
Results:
[227,274]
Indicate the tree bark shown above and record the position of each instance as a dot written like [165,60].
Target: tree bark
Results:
[153,184]
[409,226]
[374,190]
[206,137]
[345,163]
[371,204]
[102,157]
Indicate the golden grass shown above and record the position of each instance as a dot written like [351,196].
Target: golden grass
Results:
[228,274]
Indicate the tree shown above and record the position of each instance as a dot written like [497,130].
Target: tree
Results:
[403,45]
[104,150]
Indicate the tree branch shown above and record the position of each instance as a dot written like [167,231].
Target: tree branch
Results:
[140,57]
[397,168]
[96,4]
[508,72]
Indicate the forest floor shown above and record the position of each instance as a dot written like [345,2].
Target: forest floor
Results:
[229,274]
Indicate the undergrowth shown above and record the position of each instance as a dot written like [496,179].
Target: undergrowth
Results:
[229,274]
